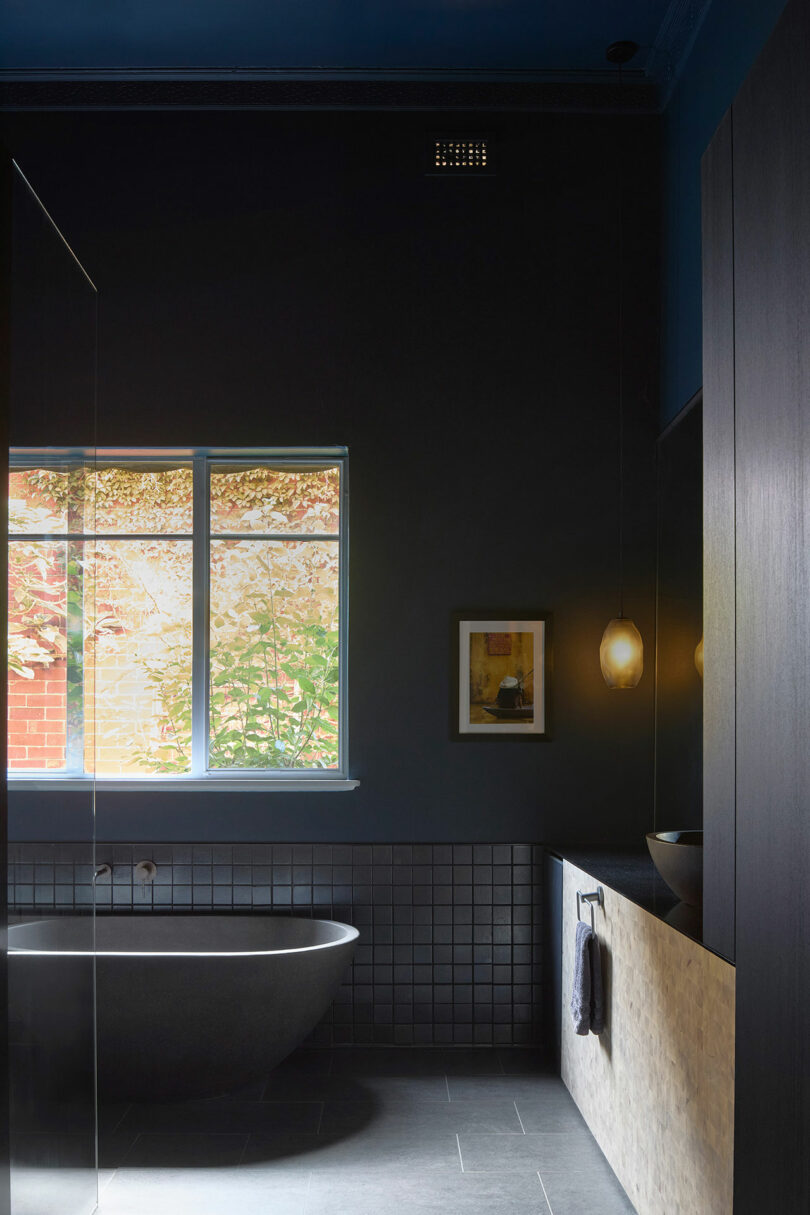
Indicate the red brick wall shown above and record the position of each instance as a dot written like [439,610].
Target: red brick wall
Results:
[36,718]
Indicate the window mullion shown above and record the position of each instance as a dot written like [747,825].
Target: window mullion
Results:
[199,621]
[75,667]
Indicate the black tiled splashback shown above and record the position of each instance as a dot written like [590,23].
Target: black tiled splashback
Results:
[449,948]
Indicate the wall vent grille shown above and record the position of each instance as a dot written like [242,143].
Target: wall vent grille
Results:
[460,156]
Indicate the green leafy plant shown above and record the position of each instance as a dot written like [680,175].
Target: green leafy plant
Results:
[274,655]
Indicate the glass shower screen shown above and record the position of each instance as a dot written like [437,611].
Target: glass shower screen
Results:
[51,614]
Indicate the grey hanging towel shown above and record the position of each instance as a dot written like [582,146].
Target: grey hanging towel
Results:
[597,994]
[581,991]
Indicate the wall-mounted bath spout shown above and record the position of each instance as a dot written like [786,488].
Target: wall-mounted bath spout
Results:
[145,873]
[102,871]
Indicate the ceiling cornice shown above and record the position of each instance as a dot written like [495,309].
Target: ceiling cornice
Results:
[348,90]
[643,86]
[674,41]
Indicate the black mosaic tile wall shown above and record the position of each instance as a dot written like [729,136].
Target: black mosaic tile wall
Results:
[450,934]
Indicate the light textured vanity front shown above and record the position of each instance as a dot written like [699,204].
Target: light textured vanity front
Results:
[657,1088]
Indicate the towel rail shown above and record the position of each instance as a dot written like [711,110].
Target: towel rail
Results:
[592,897]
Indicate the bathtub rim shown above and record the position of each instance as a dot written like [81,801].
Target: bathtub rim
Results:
[348,935]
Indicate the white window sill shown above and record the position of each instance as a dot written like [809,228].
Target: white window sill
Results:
[180,784]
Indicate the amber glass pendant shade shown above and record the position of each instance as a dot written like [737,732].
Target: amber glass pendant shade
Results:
[699,657]
[621,654]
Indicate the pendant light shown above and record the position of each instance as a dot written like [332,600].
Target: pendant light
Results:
[621,653]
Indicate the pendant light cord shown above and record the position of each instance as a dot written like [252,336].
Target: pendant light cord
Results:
[621,372]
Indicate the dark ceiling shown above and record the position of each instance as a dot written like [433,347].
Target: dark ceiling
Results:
[336,39]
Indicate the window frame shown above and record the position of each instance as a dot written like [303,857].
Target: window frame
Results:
[202,460]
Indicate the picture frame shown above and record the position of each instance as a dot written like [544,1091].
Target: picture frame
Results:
[500,676]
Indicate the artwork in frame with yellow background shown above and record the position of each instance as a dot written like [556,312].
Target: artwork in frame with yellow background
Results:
[501,675]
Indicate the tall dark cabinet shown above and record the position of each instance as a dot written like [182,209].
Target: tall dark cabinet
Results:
[719,608]
[757,608]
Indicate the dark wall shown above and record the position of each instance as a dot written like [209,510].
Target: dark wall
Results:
[292,278]
[679,688]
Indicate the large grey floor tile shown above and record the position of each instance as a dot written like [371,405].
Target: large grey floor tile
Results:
[470,1061]
[314,1061]
[553,1110]
[113,1147]
[225,1191]
[163,1150]
[474,1115]
[301,1087]
[392,1141]
[226,1117]
[111,1114]
[571,1194]
[247,1092]
[52,1150]
[105,1176]
[575,1150]
[56,1191]
[357,1088]
[465,1088]
[53,1117]
[438,1195]
[389,1061]
[401,1152]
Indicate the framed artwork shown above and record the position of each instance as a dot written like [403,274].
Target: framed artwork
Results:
[501,675]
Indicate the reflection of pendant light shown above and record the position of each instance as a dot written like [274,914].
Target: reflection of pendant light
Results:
[621,653]
[699,657]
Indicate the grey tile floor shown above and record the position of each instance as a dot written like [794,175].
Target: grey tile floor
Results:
[375,1131]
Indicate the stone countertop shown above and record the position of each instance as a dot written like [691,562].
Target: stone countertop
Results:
[630,872]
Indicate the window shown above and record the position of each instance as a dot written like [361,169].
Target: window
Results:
[177,615]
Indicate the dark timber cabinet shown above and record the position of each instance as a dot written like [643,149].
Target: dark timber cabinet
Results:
[756,235]
[718,546]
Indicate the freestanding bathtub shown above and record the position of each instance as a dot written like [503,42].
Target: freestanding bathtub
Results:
[194,1005]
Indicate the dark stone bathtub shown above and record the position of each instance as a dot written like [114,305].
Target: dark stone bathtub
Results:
[194,1006]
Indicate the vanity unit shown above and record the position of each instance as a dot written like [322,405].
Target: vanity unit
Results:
[657,1087]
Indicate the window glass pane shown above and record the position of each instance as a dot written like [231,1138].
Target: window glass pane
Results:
[37,645]
[274,654]
[275,500]
[137,499]
[37,500]
[138,658]
[100,632]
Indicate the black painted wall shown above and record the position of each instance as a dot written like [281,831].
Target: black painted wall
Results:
[275,278]
[679,687]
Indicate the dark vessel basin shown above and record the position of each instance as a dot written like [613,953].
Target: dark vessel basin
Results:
[678,857]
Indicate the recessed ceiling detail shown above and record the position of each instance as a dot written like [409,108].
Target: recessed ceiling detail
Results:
[240,42]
